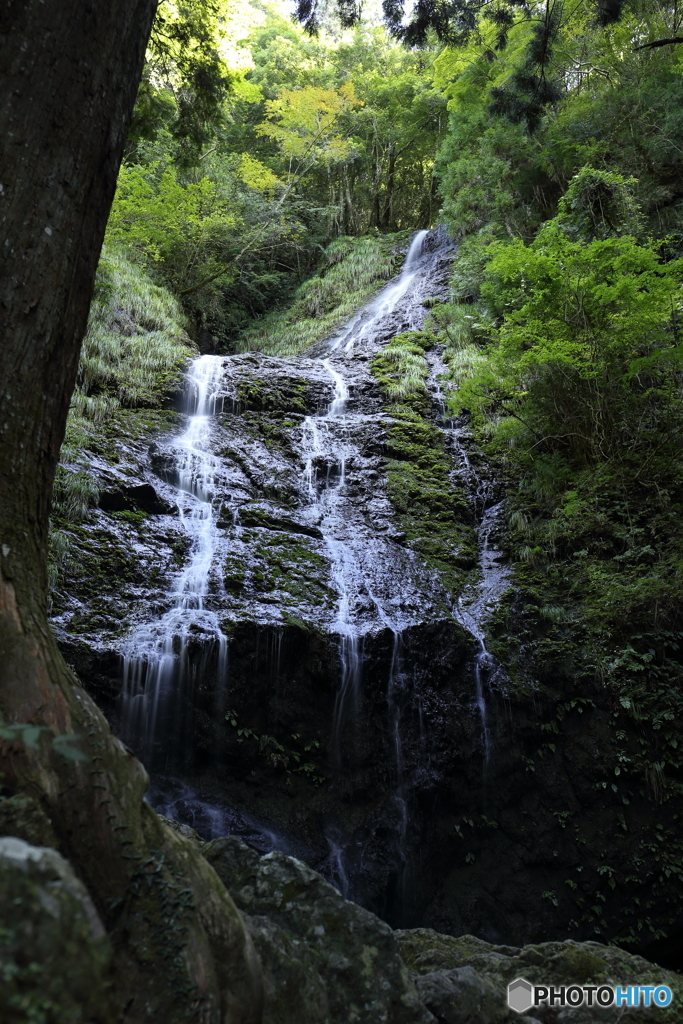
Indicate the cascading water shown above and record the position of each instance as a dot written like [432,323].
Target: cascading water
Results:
[477,601]
[363,327]
[157,660]
[328,441]
[475,605]
[380,591]
[326,433]
[328,547]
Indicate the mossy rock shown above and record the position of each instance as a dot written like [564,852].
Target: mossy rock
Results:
[23,817]
[267,518]
[425,951]
[290,395]
[55,957]
[325,960]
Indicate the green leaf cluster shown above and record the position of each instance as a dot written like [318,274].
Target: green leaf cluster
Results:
[586,353]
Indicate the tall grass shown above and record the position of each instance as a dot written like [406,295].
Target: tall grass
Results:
[351,271]
[133,354]
[401,370]
[135,344]
[410,369]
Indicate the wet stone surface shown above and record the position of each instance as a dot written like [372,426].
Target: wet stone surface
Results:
[243,621]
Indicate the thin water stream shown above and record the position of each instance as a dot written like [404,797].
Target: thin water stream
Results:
[475,605]
[328,439]
[156,657]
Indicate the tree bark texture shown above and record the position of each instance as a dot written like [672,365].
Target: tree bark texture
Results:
[69,71]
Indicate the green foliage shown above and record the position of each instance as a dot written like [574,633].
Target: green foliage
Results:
[278,756]
[135,346]
[202,235]
[587,355]
[563,341]
[633,128]
[304,123]
[185,81]
[235,182]
[29,736]
[598,205]
[401,369]
[489,177]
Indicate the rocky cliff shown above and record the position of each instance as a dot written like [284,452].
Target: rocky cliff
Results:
[287,602]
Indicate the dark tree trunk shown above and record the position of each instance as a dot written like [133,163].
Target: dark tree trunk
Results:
[388,218]
[69,71]
[376,178]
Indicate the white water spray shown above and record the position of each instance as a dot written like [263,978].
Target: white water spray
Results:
[363,326]
[156,662]
[474,607]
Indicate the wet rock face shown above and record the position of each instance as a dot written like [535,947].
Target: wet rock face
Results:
[337,637]
[299,670]
[328,961]
[23,817]
[54,955]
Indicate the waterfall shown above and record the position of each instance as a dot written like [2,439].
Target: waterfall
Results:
[164,658]
[328,439]
[328,442]
[158,664]
[319,484]
[474,606]
[478,600]
[363,326]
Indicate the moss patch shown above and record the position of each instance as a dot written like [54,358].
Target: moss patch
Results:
[262,396]
[432,510]
[288,568]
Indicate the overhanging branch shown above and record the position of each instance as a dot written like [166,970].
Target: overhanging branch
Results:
[660,42]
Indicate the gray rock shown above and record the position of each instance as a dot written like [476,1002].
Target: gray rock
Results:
[54,954]
[325,960]
[435,961]
[23,816]
[461,996]
[184,830]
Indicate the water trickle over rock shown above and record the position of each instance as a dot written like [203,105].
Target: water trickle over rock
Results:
[158,661]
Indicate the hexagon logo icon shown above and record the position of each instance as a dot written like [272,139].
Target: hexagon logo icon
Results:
[520,995]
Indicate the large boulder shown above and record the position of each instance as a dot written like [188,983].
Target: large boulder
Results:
[54,953]
[325,960]
[329,961]
[445,969]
